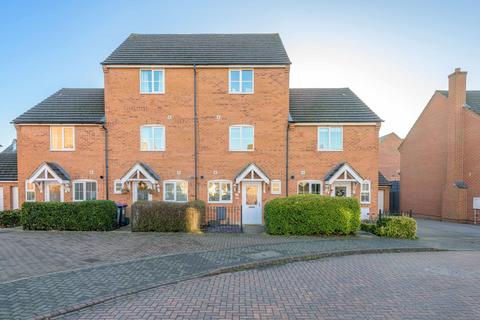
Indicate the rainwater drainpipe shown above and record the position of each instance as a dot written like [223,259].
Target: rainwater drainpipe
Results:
[195,125]
[286,158]
[106,161]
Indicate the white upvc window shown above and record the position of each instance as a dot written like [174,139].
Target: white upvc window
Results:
[240,81]
[30,195]
[175,190]
[152,138]
[220,191]
[330,139]
[62,138]
[365,192]
[117,187]
[152,81]
[276,187]
[241,138]
[84,190]
[309,187]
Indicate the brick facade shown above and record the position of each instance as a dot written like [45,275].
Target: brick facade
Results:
[389,156]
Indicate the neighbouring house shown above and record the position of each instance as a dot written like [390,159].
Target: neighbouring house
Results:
[209,117]
[384,191]
[389,156]
[440,156]
[8,178]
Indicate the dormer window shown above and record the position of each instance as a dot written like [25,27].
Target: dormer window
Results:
[241,81]
[152,81]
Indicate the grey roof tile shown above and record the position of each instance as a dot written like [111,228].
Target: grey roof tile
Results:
[202,49]
[12,148]
[473,99]
[382,181]
[8,166]
[68,105]
[150,171]
[61,173]
[329,105]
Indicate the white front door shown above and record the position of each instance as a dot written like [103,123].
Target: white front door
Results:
[341,189]
[14,198]
[1,199]
[252,202]
[139,194]
[53,192]
[381,197]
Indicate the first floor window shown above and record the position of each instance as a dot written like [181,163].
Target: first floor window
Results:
[152,138]
[84,190]
[152,81]
[241,138]
[62,138]
[276,187]
[176,191]
[30,192]
[219,191]
[365,192]
[309,187]
[330,139]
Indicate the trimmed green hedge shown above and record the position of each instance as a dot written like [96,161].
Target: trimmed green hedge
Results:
[393,227]
[10,218]
[161,216]
[311,215]
[94,215]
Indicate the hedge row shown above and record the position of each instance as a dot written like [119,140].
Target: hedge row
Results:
[95,215]
[10,218]
[393,227]
[311,215]
[163,216]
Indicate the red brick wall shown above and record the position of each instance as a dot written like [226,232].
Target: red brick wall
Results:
[389,156]
[472,159]
[423,160]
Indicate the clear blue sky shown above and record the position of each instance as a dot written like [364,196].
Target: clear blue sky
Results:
[393,54]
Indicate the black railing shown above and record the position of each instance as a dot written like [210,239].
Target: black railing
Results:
[223,218]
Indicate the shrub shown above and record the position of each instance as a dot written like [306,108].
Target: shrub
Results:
[312,214]
[10,218]
[163,216]
[95,215]
[393,227]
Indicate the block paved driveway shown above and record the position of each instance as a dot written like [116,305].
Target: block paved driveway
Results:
[440,285]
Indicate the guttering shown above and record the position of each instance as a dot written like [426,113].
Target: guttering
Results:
[136,66]
[335,123]
[195,129]
[106,161]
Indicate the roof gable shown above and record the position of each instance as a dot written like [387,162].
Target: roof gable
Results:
[68,105]
[200,49]
[329,105]
[473,99]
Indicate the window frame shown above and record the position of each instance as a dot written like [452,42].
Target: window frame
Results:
[279,187]
[221,182]
[310,182]
[175,194]
[162,79]
[152,127]
[369,192]
[84,183]
[27,191]
[62,138]
[240,81]
[115,191]
[241,126]
[329,139]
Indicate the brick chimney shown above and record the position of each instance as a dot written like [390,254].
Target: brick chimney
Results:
[454,202]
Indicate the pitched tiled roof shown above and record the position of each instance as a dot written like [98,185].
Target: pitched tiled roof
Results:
[11,148]
[68,106]
[382,181]
[329,105]
[8,166]
[59,171]
[201,49]
[473,99]
[150,170]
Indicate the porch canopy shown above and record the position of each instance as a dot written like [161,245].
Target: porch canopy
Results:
[343,172]
[141,172]
[49,172]
[251,173]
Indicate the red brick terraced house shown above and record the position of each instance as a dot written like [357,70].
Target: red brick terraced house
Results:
[8,178]
[440,157]
[206,116]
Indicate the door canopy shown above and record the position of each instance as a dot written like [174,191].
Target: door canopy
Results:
[343,172]
[49,172]
[252,173]
[141,172]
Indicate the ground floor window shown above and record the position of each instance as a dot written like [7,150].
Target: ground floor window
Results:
[309,187]
[219,191]
[276,187]
[175,190]
[29,192]
[365,192]
[84,190]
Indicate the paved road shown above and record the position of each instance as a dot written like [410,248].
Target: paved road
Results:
[442,285]
[448,235]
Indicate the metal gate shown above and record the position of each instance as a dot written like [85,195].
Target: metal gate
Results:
[223,219]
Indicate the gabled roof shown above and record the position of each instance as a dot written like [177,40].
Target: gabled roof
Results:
[329,105]
[473,99]
[49,171]
[67,105]
[141,171]
[200,49]
[382,181]
[342,167]
[60,172]
[391,134]
[8,166]
[252,172]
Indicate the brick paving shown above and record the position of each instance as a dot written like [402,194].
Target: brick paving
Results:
[441,285]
